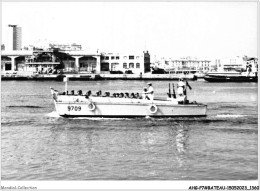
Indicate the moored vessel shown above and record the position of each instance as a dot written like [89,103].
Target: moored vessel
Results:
[230,73]
[231,77]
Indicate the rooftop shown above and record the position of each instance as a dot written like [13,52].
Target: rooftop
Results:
[16,53]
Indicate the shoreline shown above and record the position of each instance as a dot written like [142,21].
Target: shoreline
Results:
[88,77]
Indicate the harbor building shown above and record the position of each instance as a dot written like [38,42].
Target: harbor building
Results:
[80,61]
[50,61]
[189,63]
[125,63]
[179,64]
[13,38]
[37,61]
[72,59]
[102,63]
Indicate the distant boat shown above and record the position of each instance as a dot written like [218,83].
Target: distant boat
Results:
[232,76]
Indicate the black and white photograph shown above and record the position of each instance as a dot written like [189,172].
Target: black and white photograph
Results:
[129,95]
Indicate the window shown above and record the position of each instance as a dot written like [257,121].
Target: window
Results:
[112,57]
[137,65]
[125,65]
[105,66]
[125,57]
[117,58]
[94,65]
[131,57]
[107,57]
[114,66]
[131,65]
[137,57]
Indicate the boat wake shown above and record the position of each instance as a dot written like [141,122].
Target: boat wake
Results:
[100,118]
[230,116]
[53,114]
[26,106]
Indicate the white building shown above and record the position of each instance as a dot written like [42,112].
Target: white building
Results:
[137,63]
[187,63]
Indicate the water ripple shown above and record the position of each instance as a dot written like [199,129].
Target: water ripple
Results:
[37,144]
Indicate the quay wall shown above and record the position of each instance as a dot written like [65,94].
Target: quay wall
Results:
[83,77]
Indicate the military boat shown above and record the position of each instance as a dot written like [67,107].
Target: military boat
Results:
[124,105]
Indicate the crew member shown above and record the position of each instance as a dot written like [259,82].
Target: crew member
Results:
[181,87]
[145,94]
[150,91]
[248,68]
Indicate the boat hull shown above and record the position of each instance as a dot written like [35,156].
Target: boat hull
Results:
[120,107]
[218,78]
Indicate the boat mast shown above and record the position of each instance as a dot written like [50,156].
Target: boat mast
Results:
[66,79]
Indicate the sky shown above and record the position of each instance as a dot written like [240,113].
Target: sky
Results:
[166,29]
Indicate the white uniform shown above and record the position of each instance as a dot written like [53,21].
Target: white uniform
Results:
[144,95]
[150,93]
[180,89]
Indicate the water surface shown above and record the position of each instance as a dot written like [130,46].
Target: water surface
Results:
[39,145]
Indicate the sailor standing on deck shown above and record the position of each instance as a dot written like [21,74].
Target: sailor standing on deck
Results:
[248,68]
[150,92]
[181,87]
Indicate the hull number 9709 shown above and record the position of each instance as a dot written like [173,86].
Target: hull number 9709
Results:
[74,108]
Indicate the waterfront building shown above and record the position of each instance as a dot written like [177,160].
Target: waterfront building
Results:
[81,61]
[186,63]
[202,65]
[29,61]
[41,61]
[13,38]
[11,59]
[125,63]
[46,61]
